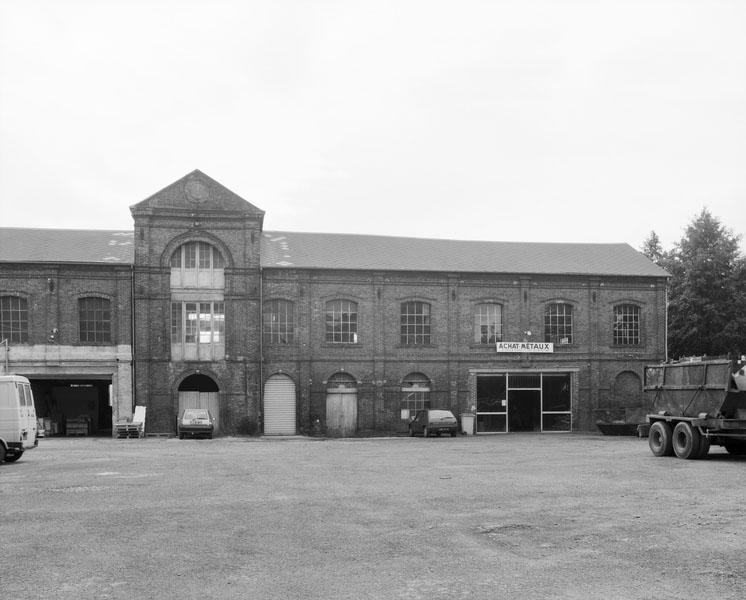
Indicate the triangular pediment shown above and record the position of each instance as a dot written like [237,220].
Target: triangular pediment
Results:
[196,191]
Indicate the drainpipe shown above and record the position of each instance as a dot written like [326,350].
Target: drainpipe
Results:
[7,351]
[665,343]
[261,351]
[133,345]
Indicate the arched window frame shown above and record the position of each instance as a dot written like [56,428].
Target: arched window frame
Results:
[415,319]
[342,321]
[341,380]
[94,319]
[415,394]
[197,264]
[558,322]
[627,324]
[14,318]
[278,321]
[488,322]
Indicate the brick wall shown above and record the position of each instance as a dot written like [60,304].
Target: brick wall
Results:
[379,362]
[236,236]
[53,291]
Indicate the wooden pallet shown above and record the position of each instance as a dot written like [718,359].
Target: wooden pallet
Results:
[128,431]
[77,426]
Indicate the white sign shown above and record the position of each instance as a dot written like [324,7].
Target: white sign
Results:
[545,347]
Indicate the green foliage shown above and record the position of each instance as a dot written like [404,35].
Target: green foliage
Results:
[707,290]
[652,248]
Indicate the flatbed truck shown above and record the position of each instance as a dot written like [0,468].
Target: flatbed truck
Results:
[696,403]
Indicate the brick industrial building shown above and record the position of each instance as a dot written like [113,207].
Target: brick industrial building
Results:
[285,333]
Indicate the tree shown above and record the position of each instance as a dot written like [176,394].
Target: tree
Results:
[652,248]
[707,300]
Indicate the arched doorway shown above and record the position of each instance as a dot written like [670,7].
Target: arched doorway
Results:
[341,405]
[628,390]
[279,406]
[200,391]
[415,394]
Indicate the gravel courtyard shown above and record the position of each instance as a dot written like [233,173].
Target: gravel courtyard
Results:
[516,516]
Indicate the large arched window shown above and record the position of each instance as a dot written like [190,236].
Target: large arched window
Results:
[14,319]
[197,265]
[278,322]
[341,322]
[414,326]
[488,323]
[94,320]
[626,325]
[197,302]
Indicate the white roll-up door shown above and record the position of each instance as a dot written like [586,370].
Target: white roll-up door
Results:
[279,406]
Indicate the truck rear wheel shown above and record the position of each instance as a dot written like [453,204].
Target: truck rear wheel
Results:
[686,440]
[704,446]
[659,439]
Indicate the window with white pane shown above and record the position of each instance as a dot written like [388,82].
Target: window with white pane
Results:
[414,322]
[197,265]
[558,323]
[488,326]
[341,322]
[626,325]
[415,394]
[197,330]
[197,302]
[13,319]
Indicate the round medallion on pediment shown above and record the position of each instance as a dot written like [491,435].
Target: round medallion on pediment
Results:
[196,191]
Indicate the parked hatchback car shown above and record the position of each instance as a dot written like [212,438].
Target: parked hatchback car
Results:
[433,421]
[196,422]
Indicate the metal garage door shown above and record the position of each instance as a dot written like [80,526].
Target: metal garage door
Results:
[208,400]
[279,406]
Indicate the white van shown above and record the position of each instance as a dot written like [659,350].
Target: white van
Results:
[17,418]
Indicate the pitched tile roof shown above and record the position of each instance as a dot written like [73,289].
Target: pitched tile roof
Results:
[369,252]
[282,250]
[66,246]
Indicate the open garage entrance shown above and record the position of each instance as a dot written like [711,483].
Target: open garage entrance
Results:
[73,406]
[513,402]
[200,391]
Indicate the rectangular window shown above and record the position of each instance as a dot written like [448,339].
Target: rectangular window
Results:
[558,323]
[14,319]
[626,325]
[94,320]
[177,320]
[488,324]
[190,256]
[197,330]
[415,323]
[217,259]
[341,322]
[205,254]
[190,326]
[278,322]
[218,322]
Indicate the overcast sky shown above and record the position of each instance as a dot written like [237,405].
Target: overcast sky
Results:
[566,121]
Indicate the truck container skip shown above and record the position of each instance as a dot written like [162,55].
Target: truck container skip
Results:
[696,403]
